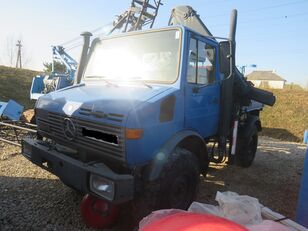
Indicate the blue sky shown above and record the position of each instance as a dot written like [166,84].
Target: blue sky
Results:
[271,34]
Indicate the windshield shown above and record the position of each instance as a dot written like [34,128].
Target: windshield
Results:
[150,57]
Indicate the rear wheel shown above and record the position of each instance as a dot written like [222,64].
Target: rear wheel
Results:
[247,144]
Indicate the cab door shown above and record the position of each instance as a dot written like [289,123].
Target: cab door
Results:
[202,88]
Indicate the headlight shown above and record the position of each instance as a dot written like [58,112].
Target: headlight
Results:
[102,187]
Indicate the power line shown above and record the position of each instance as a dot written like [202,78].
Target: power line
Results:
[141,13]
[221,25]
[283,17]
[275,6]
[263,8]
[275,18]
[70,41]
[79,37]
[105,28]
[74,46]
[273,54]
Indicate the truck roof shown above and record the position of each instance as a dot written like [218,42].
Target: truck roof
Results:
[179,27]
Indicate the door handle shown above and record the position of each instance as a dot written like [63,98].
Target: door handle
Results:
[214,100]
[195,90]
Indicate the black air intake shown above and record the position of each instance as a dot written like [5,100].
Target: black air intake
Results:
[244,88]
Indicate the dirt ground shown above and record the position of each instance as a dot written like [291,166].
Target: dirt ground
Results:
[274,177]
[32,199]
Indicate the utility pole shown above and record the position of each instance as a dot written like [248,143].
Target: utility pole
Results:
[18,61]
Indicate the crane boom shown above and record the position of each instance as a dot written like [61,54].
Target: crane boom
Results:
[141,13]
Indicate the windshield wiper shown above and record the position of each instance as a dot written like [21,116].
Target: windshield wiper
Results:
[103,78]
[140,80]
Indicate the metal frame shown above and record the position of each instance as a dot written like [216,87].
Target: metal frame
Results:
[58,53]
[140,14]
[12,132]
[57,80]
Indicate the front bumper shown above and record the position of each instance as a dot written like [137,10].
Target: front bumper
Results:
[75,173]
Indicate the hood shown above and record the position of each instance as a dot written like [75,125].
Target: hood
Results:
[98,101]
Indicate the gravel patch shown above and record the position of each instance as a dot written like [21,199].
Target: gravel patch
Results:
[274,177]
[33,199]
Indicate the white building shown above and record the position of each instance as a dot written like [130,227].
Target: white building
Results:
[268,79]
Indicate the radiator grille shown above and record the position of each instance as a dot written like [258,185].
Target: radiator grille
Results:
[53,125]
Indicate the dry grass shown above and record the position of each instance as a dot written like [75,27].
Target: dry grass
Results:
[288,119]
[15,84]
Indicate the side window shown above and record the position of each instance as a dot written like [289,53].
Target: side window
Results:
[201,68]
[192,62]
[206,64]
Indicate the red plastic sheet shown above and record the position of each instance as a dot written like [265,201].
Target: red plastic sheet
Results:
[184,221]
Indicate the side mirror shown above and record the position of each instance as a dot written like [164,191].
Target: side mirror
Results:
[225,58]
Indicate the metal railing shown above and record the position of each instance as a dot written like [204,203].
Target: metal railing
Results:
[12,132]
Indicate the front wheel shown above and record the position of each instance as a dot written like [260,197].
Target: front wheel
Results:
[176,187]
[247,144]
[179,181]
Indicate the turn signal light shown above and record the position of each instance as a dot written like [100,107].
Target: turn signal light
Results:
[133,133]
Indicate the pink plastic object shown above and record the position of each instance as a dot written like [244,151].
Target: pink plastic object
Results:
[185,221]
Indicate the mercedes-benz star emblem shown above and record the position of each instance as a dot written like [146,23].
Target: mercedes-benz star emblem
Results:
[69,129]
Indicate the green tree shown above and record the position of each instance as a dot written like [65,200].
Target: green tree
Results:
[59,67]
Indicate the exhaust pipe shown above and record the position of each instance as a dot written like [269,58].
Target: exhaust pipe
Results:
[83,57]
[227,98]
[243,88]
[233,22]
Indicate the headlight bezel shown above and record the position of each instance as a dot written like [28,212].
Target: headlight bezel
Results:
[97,181]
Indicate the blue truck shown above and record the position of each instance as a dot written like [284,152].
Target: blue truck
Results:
[148,112]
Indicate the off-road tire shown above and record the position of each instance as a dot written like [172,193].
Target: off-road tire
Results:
[246,147]
[176,187]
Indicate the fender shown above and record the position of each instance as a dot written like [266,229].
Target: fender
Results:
[249,123]
[154,168]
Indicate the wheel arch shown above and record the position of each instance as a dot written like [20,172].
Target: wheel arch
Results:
[198,147]
[186,139]
[252,120]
